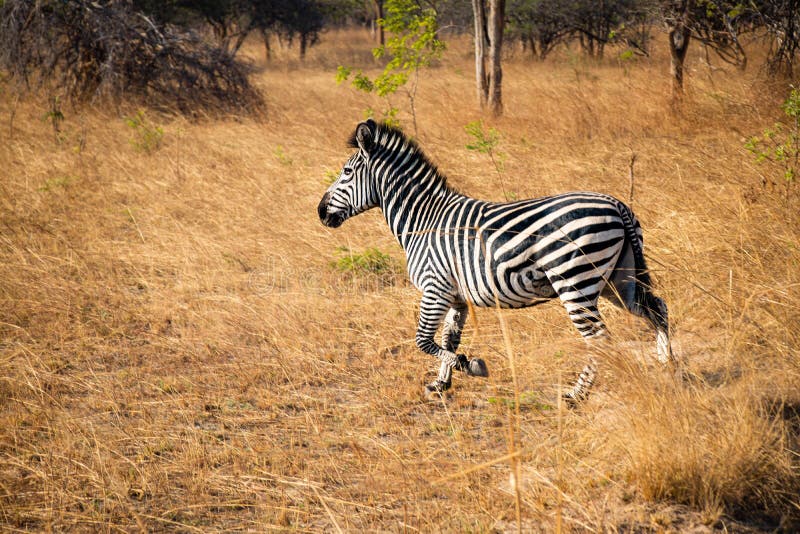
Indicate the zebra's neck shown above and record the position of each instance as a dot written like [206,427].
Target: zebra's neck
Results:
[412,191]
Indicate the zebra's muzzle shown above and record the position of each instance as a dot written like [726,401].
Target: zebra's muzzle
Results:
[331,220]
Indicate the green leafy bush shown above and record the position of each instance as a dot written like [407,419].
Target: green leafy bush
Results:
[369,264]
[780,145]
[414,44]
[147,136]
[485,141]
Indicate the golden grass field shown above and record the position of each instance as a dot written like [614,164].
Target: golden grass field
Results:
[178,352]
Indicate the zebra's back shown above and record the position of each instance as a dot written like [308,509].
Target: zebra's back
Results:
[529,251]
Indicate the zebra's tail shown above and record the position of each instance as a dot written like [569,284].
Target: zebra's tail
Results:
[633,233]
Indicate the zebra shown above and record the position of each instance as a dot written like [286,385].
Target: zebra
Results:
[573,246]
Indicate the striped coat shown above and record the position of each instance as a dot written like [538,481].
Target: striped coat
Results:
[574,246]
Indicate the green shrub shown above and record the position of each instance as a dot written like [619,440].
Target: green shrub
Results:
[413,45]
[485,141]
[371,263]
[780,144]
[147,136]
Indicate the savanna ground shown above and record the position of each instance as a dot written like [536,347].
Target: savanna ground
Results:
[178,351]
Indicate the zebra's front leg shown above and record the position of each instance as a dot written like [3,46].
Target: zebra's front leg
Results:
[433,308]
[453,326]
[451,339]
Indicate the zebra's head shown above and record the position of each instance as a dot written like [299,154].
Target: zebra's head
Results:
[354,191]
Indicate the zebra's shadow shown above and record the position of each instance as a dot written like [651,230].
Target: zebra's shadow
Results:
[789,412]
[721,376]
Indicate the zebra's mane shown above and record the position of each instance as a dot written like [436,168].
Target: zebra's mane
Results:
[387,135]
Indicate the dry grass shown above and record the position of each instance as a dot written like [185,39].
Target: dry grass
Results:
[177,352]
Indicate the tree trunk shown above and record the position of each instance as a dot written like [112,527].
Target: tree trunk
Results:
[679,36]
[240,39]
[481,81]
[267,49]
[378,4]
[496,24]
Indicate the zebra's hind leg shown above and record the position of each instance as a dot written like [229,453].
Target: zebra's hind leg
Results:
[587,320]
[580,391]
[655,311]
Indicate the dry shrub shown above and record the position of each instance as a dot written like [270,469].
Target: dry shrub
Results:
[89,50]
[725,438]
[709,451]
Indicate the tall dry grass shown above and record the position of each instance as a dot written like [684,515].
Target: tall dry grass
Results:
[177,351]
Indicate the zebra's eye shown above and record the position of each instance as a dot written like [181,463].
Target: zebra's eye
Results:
[348,171]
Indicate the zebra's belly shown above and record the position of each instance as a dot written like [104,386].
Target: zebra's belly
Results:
[511,288]
[530,283]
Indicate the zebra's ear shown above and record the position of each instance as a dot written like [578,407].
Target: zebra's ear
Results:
[365,135]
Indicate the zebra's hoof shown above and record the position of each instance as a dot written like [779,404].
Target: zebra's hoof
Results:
[570,401]
[436,389]
[477,367]
[473,367]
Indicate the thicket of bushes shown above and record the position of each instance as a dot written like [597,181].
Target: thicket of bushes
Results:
[89,50]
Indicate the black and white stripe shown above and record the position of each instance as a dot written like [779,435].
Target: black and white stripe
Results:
[574,246]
